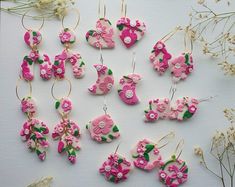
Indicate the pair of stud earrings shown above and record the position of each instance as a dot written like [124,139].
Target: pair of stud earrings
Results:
[180,67]
[103,36]
[147,156]
[67,37]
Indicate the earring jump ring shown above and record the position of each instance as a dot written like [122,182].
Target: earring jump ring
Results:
[23,24]
[18,85]
[53,87]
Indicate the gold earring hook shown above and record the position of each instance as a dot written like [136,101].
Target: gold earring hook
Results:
[133,63]
[117,148]
[101,57]
[207,98]
[171,33]
[166,138]
[105,108]
[22,22]
[17,88]
[99,9]
[53,86]
[78,19]
[179,148]
[185,42]
[172,91]
[123,8]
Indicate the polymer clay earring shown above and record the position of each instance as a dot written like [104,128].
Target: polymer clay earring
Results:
[103,35]
[102,128]
[146,153]
[116,168]
[67,38]
[174,171]
[105,80]
[159,55]
[33,131]
[130,31]
[32,39]
[66,131]
[127,86]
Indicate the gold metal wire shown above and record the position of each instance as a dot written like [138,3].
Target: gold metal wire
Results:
[53,86]
[101,2]
[78,19]
[168,137]
[22,22]
[18,85]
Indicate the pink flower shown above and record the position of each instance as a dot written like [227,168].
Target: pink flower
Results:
[140,162]
[180,174]
[42,156]
[72,159]
[66,105]
[60,146]
[28,106]
[151,115]
[65,37]
[120,173]
[102,125]
[101,69]
[34,55]
[59,70]
[77,71]
[192,109]
[162,174]
[92,89]
[106,169]
[128,95]
[128,37]
[45,71]
[107,84]
[189,69]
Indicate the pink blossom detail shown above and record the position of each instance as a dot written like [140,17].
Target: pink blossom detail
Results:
[106,85]
[102,125]
[151,115]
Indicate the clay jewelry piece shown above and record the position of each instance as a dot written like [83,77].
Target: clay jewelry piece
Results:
[127,86]
[105,80]
[174,171]
[130,31]
[102,128]
[67,38]
[66,131]
[103,35]
[32,39]
[33,131]
[160,56]
[146,153]
[116,168]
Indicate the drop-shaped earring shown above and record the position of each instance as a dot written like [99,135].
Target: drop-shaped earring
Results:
[130,31]
[103,35]
[66,131]
[33,38]
[67,38]
[103,128]
[174,171]
[116,168]
[146,153]
[34,131]
[127,86]
[105,80]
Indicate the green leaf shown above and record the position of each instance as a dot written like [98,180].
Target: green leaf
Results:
[81,64]
[146,111]
[112,178]
[86,126]
[173,157]
[33,137]
[38,152]
[111,136]
[152,51]
[56,63]
[57,104]
[34,33]
[149,148]
[29,60]
[186,58]
[150,106]
[40,61]
[187,115]
[146,156]
[120,27]
[110,72]
[71,151]
[119,90]
[103,139]
[115,129]
[120,160]
[160,60]
[76,133]
[135,156]
[91,32]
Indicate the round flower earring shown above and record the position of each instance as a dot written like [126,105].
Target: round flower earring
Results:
[130,31]
[67,38]
[146,153]
[34,131]
[127,86]
[174,171]
[102,128]
[66,131]
[103,35]
[32,39]
[116,168]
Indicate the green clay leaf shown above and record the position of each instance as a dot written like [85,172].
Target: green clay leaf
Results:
[115,129]
[110,72]
[187,115]
[76,133]
[38,152]
[146,156]
[112,178]
[119,91]
[111,136]
[135,156]
[146,111]
[120,160]
[40,61]
[87,126]
[160,60]
[120,27]
[29,60]
[149,148]
[56,63]
[187,59]
[152,51]
[150,106]
[103,139]
[81,64]
[57,104]
[34,33]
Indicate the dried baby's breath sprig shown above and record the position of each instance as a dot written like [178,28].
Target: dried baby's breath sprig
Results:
[216,32]
[44,8]
[223,150]
[46,182]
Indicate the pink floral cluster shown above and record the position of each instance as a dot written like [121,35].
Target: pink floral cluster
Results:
[160,57]
[33,132]
[78,65]
[32,38]
[116,168]
[141,155]
[67,36]
[181,110]
[174,173]
[28,107]
[130,31]
[68,133]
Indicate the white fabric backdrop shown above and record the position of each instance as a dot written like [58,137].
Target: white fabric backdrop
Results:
[18,167]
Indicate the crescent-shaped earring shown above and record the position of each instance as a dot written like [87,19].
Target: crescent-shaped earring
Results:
[105,80]
[127,86]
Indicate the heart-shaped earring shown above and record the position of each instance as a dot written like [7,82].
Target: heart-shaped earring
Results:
[103,35]
[130,31]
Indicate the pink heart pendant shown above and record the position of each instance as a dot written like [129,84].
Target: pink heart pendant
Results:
[130,31]
[103,36]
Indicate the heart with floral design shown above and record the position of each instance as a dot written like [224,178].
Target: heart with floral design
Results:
[103,36]
[130,31]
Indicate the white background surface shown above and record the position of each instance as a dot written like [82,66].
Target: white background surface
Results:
[18,167]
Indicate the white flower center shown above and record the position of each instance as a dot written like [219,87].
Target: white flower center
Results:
[127,39]
[109,86]
[133,23]
[177,66]
[66,105]
[59,70]
[179,174]
[163,175]
[43,71]
[32,55]
[159,46]
[129,94]
[141,162]
[152,116]
[98,68]
[26,131]
[107,168]
[101,124]
[119,175]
